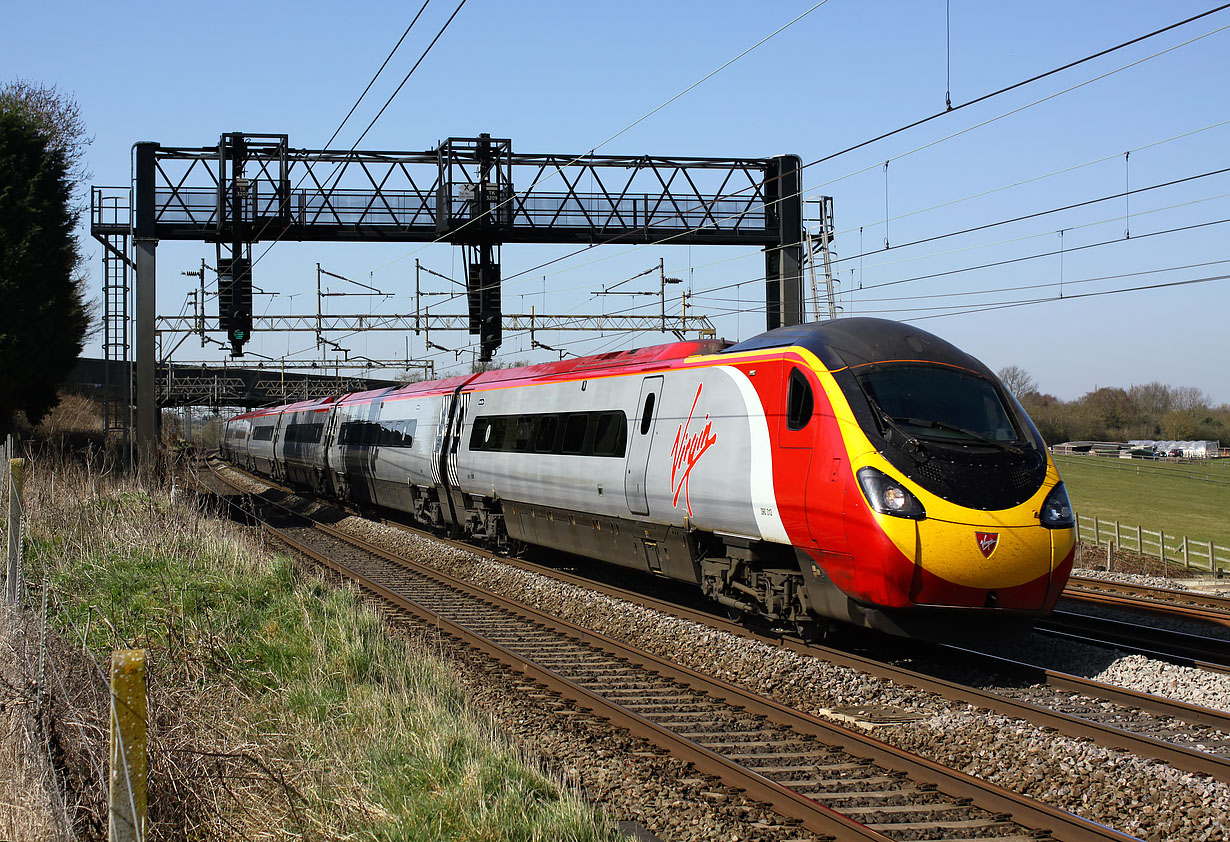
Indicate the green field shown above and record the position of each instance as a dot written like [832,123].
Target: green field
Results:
[1182,498]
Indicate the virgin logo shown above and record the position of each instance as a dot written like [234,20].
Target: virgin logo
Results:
[688,449]
[987,541]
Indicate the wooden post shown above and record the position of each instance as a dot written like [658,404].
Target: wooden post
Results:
[1161,538]
[1118,540]
[129,766]
[1110,555]
[1186,564]
[13,589]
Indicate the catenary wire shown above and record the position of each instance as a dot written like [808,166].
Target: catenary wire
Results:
[916,123]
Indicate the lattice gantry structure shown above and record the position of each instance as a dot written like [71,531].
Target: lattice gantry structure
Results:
[475,193]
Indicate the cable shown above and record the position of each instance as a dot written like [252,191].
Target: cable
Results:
[955,108]
[1065,282]
[383,108]
[1022,84]
[746,255]
[559,167]
[1038,214]
[997,263]
[1010,305]
[1067,250]
[408,75]
[1032,179]
[387,59]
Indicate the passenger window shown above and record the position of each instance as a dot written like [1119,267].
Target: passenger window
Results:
[574,432]
[478,436]
[799,401]
[524,433]
[647,415]
[544,442]
[611,434]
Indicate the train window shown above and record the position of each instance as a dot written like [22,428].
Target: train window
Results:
[304,433]
[263,433]
[647,414]
[611,434]
[524,433]
[478,435]
[940,403]
[544,441]
[799,401]
[498,434]
[397,433]
[574,432]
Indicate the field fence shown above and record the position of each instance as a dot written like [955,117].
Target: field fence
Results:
[1168,547]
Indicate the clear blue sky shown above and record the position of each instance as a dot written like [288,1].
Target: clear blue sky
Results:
[564,76]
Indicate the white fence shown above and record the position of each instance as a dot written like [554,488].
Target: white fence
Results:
[1192,554]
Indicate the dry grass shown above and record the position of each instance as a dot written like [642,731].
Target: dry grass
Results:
[279,707]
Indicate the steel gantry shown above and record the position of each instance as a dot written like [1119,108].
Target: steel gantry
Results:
[476,193]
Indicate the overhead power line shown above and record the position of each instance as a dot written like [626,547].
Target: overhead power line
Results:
[1013,304]
[916,123]
[992,264]
[1014,86]
[383,108]
[1037,214]
[387,59]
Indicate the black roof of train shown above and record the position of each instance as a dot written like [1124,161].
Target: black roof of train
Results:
[852,342]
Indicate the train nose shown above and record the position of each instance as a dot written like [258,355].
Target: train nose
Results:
[982,565]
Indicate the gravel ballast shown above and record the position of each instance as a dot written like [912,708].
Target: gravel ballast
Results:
[1134,795]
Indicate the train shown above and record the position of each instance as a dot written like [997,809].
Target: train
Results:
[856,471]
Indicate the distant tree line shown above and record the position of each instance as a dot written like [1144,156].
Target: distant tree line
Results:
[1147,411]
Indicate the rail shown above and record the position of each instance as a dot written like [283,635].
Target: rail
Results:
[711,753]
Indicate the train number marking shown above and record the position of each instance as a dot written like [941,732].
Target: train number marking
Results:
[688,449]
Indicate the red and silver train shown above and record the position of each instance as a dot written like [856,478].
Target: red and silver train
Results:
[857,470]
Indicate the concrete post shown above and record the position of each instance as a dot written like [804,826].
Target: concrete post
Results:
[129,765]
[13,585]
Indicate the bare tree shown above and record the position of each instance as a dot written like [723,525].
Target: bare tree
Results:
[1017,380]
[1188,398]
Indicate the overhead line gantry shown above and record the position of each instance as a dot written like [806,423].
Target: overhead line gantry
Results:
[472,192]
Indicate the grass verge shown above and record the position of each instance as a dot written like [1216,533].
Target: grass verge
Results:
[279,705]
[1183,498]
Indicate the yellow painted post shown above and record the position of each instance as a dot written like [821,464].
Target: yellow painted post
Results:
[129,766]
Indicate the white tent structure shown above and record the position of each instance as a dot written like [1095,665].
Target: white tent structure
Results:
[1190,449]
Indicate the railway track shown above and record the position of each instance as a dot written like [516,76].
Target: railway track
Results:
[1186,736]
[831,780]
[1196,650]
[1166,602]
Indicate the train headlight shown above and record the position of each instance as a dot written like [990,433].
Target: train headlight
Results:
[889,497]
[1057,510]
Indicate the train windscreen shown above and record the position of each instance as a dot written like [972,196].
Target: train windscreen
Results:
[940,403]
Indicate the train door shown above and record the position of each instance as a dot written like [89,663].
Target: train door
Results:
[638,450]
[796,435]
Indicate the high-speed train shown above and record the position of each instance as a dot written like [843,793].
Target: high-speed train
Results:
[857,470]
